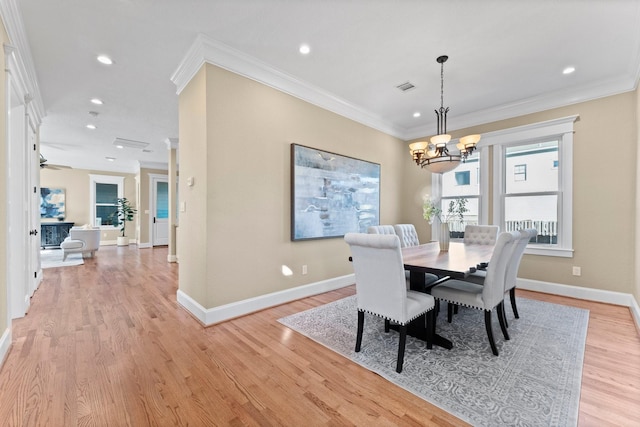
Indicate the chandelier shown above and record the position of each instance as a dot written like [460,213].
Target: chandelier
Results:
[435,155]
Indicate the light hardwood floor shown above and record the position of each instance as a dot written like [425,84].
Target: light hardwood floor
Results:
[106,344]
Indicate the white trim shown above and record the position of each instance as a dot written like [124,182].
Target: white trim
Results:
[635,312]
[154,165]
[153,179]
[144,245]
[13,23]
[589,294]
[211,316]
[561,128]
[5,345]
[172,258]
[207,50]
[102,179]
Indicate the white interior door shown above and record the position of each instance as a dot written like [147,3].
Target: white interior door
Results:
[18,265]
[160,210]
[35,273]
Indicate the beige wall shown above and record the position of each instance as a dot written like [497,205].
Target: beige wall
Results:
[235,137]
[604,194]
[4,308]
[76,185]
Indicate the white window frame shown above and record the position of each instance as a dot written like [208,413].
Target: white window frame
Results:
[561,129]
[483,201]
[102,179]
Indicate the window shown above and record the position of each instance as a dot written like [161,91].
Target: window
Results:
[104,192]
[532,203]
[537,196]
[463,178]
[532,184]
[463,182]
[520,173]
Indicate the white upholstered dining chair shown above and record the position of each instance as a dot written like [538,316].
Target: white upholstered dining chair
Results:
[381,287]
[407,234]
[511,277]
[381,229]
[480,234]
[409,237]
[488,296]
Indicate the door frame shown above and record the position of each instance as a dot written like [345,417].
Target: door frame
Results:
[153,179]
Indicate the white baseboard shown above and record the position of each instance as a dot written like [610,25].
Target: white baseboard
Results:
[108,242]
[211,316]
[589,294]
[144,245]
[172,258]
[5,345]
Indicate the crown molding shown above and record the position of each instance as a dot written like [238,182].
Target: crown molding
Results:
[206,50]
[171,143]
[532,105]
[153,165]
[12,20]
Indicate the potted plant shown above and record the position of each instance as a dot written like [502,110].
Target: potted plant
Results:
[123,214]
[431,211]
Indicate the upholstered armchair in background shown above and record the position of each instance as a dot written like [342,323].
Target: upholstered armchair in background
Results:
[85,240]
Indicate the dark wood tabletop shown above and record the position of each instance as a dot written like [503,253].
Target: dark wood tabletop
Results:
[456,262]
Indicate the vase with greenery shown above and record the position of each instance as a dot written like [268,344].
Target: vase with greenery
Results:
[124,213]
[432,211]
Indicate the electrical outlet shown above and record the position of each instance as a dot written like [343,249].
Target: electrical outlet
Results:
[577,271]
[304,269]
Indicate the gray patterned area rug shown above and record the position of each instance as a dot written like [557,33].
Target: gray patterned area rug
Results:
[534,382]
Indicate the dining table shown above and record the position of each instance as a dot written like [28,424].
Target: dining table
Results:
[457,263]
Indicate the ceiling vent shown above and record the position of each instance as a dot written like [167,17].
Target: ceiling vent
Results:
[130,143]
[405,86]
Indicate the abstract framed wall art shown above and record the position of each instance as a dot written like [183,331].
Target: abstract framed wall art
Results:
[332,194]
[52,203]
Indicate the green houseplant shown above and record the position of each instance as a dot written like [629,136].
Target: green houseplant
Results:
[124,213]
[432,211]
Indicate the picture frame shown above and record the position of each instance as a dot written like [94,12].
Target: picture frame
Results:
[52,203]
[332,194]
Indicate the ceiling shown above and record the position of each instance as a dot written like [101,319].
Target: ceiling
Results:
[505,59]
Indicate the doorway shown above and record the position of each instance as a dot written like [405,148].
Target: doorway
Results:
[159,210]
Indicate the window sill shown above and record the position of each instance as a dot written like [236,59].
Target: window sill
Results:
[549,251]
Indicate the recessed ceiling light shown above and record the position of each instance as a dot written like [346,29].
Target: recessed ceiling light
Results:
[90,126]
[417,114]
[104,59]
[111,159]
[119,146]
[96,101]
[568,70]
[305,49]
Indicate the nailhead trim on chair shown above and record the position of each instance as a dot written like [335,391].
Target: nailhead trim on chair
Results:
[394,320]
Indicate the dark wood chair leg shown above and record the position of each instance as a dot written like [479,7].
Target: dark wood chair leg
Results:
[360,329]
[501,319]
[431,319]
[487,324]
[401,345]
[504,316]
[512,296]
[449,312]
[386,325]
[455,309]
